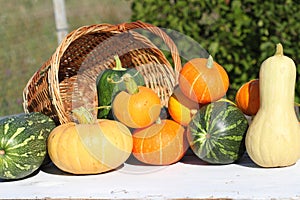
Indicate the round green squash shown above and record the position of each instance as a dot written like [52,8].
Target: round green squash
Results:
[217,132]
[110,83]
[23,139]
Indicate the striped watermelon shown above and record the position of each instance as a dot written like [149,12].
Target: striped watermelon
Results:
[216,133]
[23,140]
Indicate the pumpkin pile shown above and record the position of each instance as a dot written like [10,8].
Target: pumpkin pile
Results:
[132,121]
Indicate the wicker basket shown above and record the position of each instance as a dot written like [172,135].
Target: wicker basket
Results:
[67,79]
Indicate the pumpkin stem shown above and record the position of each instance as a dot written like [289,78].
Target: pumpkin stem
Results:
[83,115]
[131,86]
[279,49]
[102,107]
[118,66]
[210,62]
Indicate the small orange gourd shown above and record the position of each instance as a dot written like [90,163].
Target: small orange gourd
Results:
[89,148]
[162,143]
[247,97]
[203,80]
[137,107]
[181,108]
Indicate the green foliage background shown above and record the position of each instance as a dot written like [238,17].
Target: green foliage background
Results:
[238,34]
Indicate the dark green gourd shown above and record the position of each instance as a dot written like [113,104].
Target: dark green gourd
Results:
[109,83]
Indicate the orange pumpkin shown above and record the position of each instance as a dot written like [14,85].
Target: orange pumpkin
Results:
[162,143]
[90,148]
[247,97]
[181,108]
[137,107]
[203,80]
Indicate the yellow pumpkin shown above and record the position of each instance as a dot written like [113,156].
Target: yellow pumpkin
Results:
[90,148]
[273,137]
[181,108]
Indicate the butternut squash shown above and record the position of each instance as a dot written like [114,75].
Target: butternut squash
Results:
[273,137]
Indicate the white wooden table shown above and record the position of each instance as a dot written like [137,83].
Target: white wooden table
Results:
[189,178]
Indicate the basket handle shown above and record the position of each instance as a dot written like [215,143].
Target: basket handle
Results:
[122,28]
[159,32]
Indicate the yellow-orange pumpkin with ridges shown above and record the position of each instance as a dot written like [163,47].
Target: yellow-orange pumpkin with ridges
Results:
[181,108]
[138,106]
[90,148]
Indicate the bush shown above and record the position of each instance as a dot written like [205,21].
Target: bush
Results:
[238,34]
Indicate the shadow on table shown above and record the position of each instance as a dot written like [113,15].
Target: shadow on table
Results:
[192,159]
[50,168]
[26,177]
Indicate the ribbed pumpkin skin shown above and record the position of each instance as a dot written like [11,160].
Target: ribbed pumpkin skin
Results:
[217,132]
[90,148]
[109,83]
[23,140]
[137,110]
[201,83]
[162,143]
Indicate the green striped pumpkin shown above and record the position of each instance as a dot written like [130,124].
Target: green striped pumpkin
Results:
[216,133]
[23,140]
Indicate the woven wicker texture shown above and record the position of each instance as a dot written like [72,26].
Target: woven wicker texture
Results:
[68,79]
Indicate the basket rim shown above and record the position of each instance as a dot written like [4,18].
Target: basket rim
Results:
[119,28]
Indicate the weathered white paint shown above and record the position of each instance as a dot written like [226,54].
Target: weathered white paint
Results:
[189,178]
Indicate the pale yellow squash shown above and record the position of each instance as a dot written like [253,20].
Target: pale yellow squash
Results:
[91,147]
[273,137]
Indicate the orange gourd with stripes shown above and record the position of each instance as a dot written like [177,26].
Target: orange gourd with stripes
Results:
[162,143]
[247,97]
[138,106]
[203,80]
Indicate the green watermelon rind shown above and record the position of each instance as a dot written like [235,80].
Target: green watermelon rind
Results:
[23,137]
[217,133]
